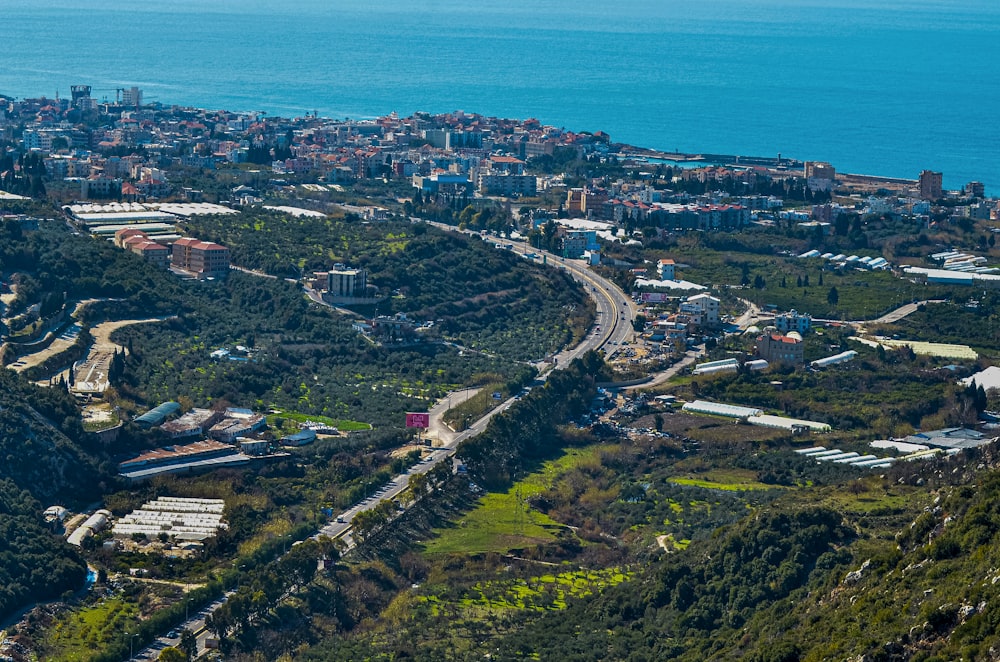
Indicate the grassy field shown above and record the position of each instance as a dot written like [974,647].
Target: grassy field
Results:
[550,591]
[78,635]
[504,521]
[731,480]
[501,522]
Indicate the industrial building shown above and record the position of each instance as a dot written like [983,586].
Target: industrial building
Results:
[192,424]
[306,436]
[197,456]
[790,424]
[954,438]
[237,423]
[157,415]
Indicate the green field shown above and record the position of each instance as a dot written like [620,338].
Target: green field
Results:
[730,480]
[550,591]
[77,635]
[504,521]
[499,523]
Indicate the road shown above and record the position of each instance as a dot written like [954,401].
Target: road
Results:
[613,326]
[614,319]
[615,309]
[664,376]
[899,313]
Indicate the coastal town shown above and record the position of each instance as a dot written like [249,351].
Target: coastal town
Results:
[736,305]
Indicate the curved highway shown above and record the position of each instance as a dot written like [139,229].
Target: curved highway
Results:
[612,328]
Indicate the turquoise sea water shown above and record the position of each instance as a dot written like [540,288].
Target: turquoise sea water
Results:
[888,88]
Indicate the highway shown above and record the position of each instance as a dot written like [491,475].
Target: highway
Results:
[612,327]
[614,321]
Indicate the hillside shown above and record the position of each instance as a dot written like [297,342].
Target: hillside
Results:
[805,584]
[42,466]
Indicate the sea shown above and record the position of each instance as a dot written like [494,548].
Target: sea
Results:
[890,87]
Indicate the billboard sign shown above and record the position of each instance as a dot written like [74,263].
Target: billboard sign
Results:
[655,297]
[418,420]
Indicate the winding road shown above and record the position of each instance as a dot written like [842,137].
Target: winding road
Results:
[613,326]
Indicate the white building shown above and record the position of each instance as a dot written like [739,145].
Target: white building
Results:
[792,321]
[706,305]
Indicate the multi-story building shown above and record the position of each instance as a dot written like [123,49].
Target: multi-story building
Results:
[201,258]
[347,282]
[132,96]
[150,251]
[666,269]
[793,321]
[578,242]
[776,348]
[975,190]
[491,183]
[98,186]
[820,170]
[930,185]
[706,306]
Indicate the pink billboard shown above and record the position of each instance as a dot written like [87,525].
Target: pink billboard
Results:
[418,420]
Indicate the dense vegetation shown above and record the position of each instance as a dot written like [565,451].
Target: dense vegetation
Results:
[308,361]
[34,564]
[481,297]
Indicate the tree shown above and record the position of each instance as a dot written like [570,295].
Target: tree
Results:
[832,297]
[171,654]
[189,643]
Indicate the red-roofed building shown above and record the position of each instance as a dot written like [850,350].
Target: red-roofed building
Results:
[506,164]
[774,347]
[126,233]
[200,258]
[150,251]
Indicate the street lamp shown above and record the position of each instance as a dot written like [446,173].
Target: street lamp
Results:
[131,641]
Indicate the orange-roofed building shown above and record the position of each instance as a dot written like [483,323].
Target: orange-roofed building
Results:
[150,251]
[125,233]
[776,348]
[202,259]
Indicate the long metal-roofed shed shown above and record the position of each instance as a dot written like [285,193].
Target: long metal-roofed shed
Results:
[956,438]
[157,415]
[302,438]
[719,409]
